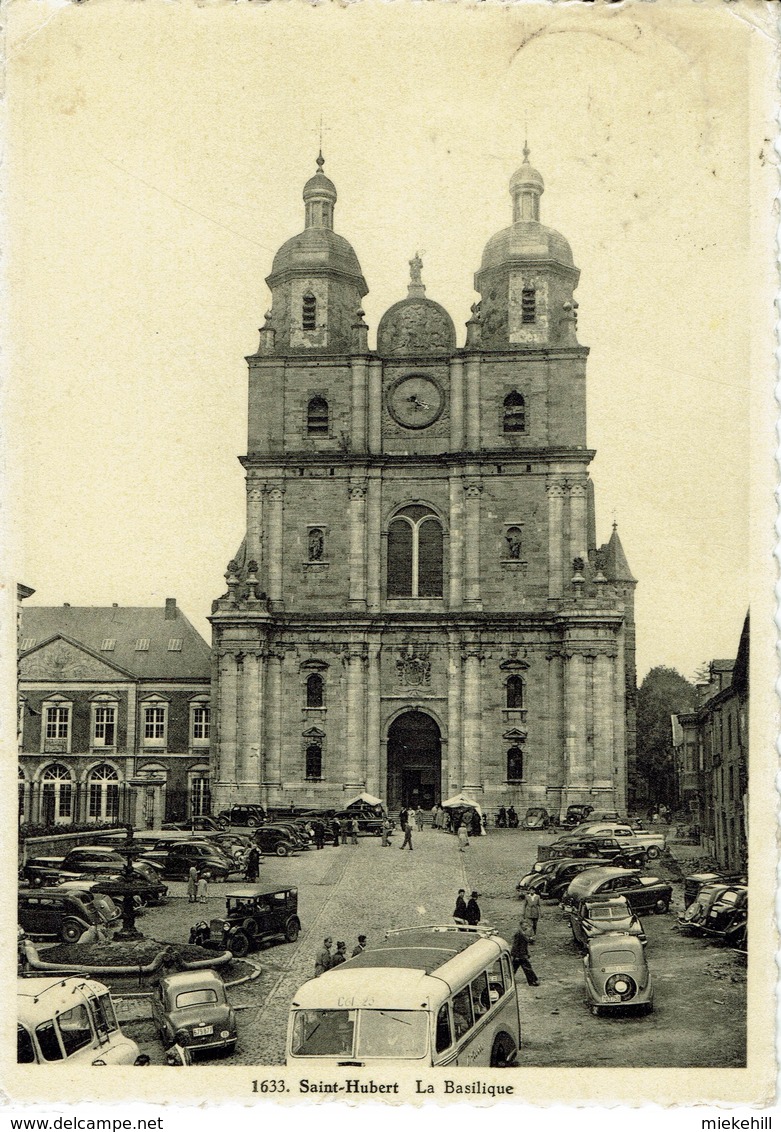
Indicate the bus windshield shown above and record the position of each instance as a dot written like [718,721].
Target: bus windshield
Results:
[381,1033]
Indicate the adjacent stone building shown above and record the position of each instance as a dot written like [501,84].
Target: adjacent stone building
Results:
[114,715]
[420,605]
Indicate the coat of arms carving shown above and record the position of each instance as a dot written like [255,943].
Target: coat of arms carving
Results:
[413,671]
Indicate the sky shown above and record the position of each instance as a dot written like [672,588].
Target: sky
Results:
[156,157]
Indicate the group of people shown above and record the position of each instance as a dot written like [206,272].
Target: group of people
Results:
[526,933]
[467,912]
[197,886]
[507,818]
[326,959]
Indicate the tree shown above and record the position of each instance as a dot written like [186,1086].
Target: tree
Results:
[663,693]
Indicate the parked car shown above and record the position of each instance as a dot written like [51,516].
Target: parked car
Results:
[654,843]
[607,815]
[601,848]
[201,823]
[248,814]
[103,903]
[175,858]
[93,860]
[719,910]
[233,844]
[537,817]
[644,894]
[70,1019]
[269,839]
[591,918]
[191,1009]
[56,913]
[576,814]
[553,877]
[253,916]
[298,834]
[368,821]
[693,884]
[616,974]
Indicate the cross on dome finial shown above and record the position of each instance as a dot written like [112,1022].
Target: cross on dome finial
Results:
[526,150]
[320,162]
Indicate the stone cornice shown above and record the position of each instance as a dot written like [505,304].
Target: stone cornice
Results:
[484,456]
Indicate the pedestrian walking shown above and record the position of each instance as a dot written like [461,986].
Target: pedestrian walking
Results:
[403,815]
[519,951]
[476,824]
[345,824]
[419,819]
[407,834]
[319,830]
[531,912]
[253,865]
[353,824]
[463,838]
[203,886]
[512,818]
[192,884]
[324,959]
[360,946]
[336,826]
[340,955]
[473,915]
[385,833]
[459,912]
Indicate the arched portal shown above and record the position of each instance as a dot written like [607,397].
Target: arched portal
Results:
[414,761]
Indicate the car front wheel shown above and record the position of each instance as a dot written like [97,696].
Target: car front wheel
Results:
[661,906]
[503,1053]
[653,852]
[71,931]
[281,850]
[239,945]
[251,822]
[292,928]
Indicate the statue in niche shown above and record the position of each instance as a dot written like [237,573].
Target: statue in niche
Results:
[316,544]
[513,540]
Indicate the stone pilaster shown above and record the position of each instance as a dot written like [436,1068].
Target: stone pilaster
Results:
[276,513]
[472,382]
[456,404]
[356,737]
[357,509]
[452,776]
[577,522]
[228,719]
[359,371]
[556,491]
[373,539]
[373,785]
[472,492]
[604,719]
[557,753]
[375,405]
[254,522]
[575,708]
[470,758]
[272,768]
[619,724]
[249,761]
[456,539]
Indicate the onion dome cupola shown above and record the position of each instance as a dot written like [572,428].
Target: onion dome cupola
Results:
[416,325]
[316,281]
[527,276]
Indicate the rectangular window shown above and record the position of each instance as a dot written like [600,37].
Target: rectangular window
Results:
[462,1013]
[154,724]
[142,644]
[108,645]
[105,727]
[529,305]
[175,644]
[201,724]
[27,643]
[57,719]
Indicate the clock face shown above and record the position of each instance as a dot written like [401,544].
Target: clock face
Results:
[415,401]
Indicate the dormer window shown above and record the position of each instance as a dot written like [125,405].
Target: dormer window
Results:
[309,312]
[528,305]
[317,417]
[514,412]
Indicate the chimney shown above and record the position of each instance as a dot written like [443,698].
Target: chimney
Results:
[170,609]
[66,605]
[114,605]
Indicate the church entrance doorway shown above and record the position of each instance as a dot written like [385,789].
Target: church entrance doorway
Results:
[414,761]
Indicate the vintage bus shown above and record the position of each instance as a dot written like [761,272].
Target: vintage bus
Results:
[70,1019]
[442,996]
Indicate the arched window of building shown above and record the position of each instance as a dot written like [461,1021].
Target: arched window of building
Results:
[514,412]
[314,690]
[415,553]
[314,761]
[316,544]
[56,794]
[515,692]
[309,312]
[528,305]
[514,539]
[103,793]
[317,417]
[515,764]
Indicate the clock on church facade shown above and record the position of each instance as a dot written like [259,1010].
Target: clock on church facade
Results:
[420,606]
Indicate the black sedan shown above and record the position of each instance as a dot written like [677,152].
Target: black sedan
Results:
[271,839]
[550,879]
[644,894]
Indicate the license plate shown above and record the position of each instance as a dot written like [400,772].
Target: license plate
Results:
[202,1031]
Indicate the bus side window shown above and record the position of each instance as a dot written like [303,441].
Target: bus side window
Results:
[444,1035]
[462,1012]
[75,1029]
[48,1041]
[509,978]
[495,981]
[480,1000]
[25,1051]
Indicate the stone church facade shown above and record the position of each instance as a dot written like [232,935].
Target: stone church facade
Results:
[420,606]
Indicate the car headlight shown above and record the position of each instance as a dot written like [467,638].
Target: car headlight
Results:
[226,926]
[225,1033]
[182,1037]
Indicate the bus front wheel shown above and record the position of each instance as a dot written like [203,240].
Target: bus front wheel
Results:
[504,1052]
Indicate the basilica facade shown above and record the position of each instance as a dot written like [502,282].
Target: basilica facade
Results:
[420,606]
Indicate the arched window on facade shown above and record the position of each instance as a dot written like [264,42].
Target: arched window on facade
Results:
[56,795]
[317,417]
[309,312]
[514,412]
[103,793]
[314,690]
[528,305]
[515,692]
[314,761]
[415,552]
[514,539]
[515,764]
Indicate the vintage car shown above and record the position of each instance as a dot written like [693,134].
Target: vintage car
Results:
[253,916]
[191,1010]
[368,820]
[57,913]
[92,860]
[175,859]
[249,815]
[550,879]
[693,884]
[616,974]
[537,817]
[653,843]
[644,894]
[70,1019]
[575,815]
[591,918]
[271,839]
[232,844]
[200,823]
[606,849]
[297,832]
[720,910]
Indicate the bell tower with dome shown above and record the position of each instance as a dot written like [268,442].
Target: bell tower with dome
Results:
[419,606]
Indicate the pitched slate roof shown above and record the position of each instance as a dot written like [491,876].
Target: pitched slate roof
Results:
[125,625]
[616,567]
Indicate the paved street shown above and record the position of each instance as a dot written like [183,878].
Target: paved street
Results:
[700,987]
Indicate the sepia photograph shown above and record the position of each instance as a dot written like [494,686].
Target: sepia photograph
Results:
[389,438]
